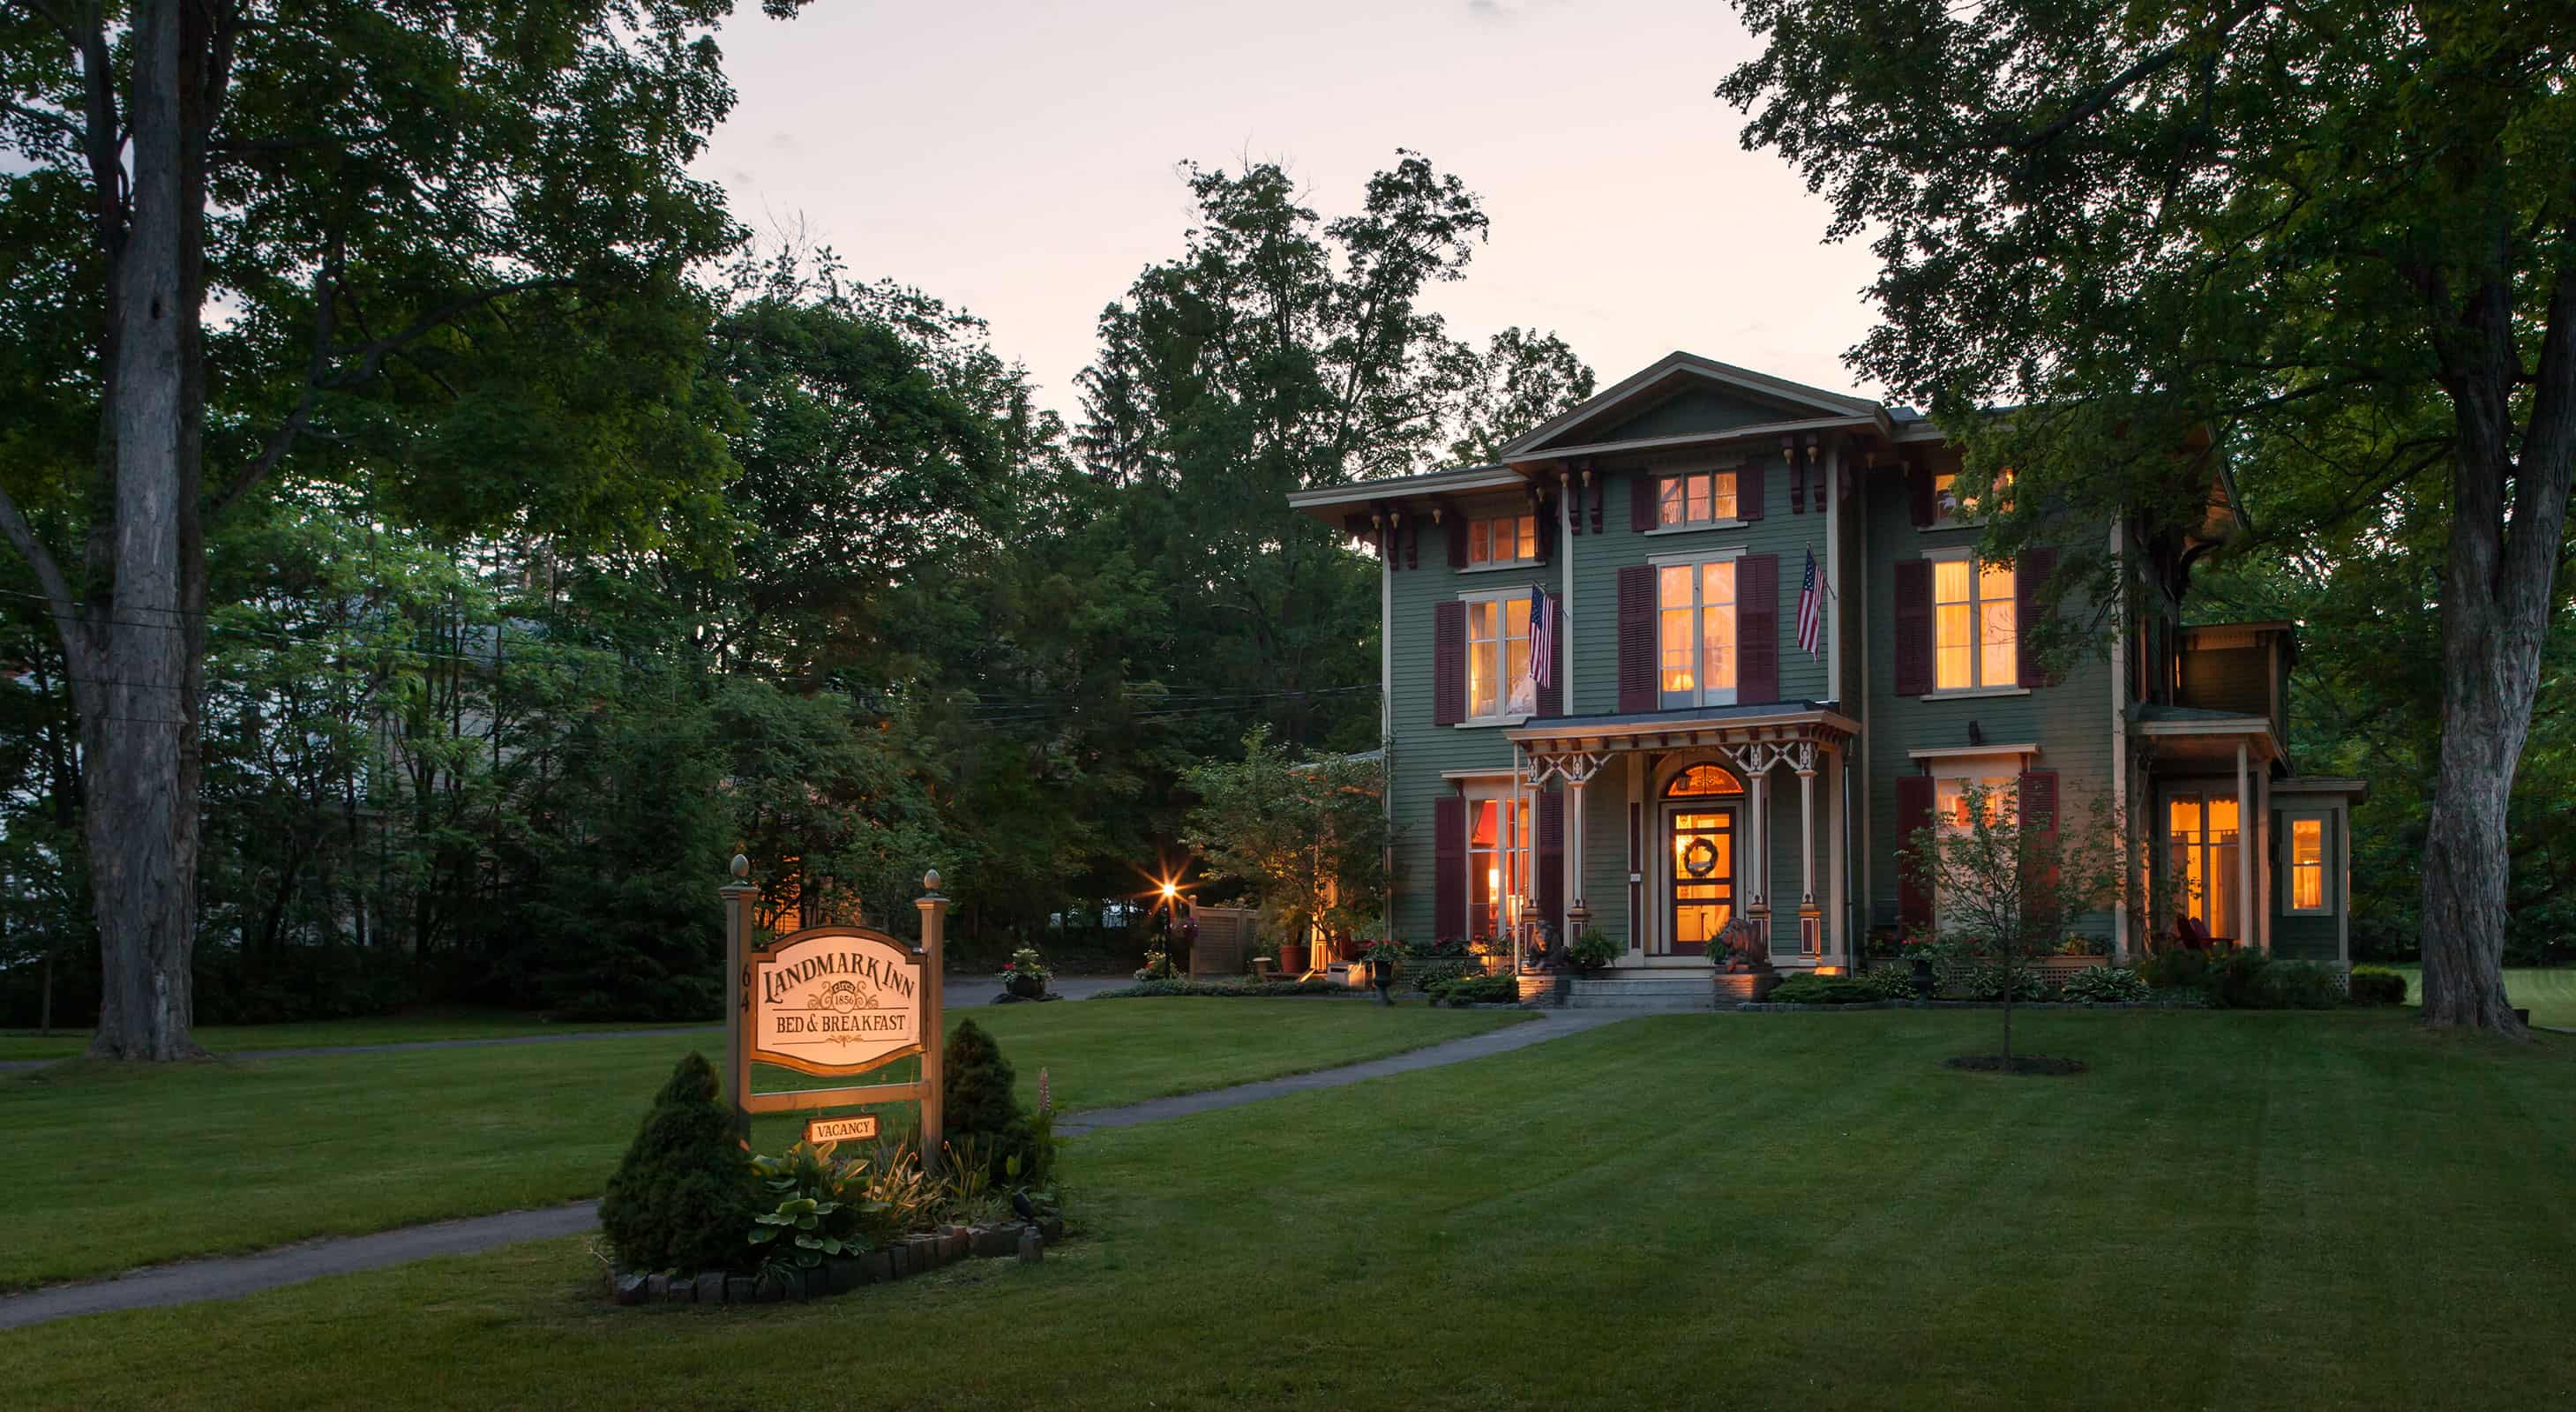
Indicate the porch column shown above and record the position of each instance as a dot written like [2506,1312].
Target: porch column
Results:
[1811,922]
[2244,851]
[1577,912]
[1758,846]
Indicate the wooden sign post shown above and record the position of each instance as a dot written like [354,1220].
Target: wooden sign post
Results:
[833,1002]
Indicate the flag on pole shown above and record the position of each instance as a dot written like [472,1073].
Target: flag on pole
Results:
[1811,610]
[1542,658]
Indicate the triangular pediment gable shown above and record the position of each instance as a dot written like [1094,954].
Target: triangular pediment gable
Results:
[1685,395]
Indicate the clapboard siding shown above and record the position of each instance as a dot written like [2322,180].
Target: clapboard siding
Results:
[2071,720]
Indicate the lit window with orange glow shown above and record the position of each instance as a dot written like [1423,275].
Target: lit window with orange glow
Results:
[2307,863]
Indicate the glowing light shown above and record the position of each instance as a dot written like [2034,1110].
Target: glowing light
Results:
[1170,891]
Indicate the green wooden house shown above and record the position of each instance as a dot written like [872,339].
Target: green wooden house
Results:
[1694,757]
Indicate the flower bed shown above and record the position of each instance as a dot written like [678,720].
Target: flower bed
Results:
[913,1255]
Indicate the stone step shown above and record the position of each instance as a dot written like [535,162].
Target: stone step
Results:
[1641,992]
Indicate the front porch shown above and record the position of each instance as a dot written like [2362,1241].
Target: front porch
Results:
[1714,814]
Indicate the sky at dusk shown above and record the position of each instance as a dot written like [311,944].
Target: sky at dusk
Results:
[1019,160]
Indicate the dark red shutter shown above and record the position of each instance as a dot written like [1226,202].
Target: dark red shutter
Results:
[1913,627]
[1448,663]
[2037,802]
[1757,629]
[1797,476]
[1748,491]
[1551,861]
[1546,513]
[1449,868]
[1637,637]
[1641,501]
[1551,692]
[2030,575]
[1913,815]
[1597,489]
[1457,540]
[1413,542]
[1918,489]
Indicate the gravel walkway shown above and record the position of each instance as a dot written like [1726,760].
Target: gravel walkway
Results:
[231,1277]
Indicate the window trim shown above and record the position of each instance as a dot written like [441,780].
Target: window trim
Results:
[1693,560]
[1503,657]
[2290,821]
[1976,622]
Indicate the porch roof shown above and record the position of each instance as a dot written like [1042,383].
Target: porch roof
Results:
[2193,735]
[1686,726]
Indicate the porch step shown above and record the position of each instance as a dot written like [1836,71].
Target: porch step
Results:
[1680,992]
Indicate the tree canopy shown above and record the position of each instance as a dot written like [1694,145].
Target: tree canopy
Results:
[2334,244]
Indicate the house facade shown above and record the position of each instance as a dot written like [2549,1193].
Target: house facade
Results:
[1693,753]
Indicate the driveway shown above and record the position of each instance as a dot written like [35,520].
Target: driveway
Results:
[959,994]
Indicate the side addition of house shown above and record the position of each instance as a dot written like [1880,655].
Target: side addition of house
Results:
[1706,737]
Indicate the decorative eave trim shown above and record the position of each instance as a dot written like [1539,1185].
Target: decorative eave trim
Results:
[1474,480]
[1682,440]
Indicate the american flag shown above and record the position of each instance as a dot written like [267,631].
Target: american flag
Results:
[1811,610]
[1542,658]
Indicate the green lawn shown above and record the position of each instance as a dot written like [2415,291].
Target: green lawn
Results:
[2548,992]
[385,1029]
[108,1168]
[2232,1211]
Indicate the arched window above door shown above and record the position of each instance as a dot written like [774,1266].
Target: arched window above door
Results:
[1703,781]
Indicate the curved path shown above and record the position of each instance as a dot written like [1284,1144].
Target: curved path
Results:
[189,1281]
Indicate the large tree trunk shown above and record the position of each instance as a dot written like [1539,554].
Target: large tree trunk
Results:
[2496,604]
[139,707]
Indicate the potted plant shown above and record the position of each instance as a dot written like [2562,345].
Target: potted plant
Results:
[1592,951]
[1026,975]
[1384,959]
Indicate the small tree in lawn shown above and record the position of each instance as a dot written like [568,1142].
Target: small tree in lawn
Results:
[1307,834]
[2008,872]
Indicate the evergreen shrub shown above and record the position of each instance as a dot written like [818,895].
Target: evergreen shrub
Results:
[683,1196]
[1823,990]
[2377,985]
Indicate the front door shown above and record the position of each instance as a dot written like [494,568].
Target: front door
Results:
[1700,877]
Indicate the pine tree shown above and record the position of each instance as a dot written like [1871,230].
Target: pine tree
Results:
[682,1199]
[980,1104]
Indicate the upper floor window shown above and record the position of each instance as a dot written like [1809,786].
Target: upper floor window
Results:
[1949,505]
[1502,539]
[1498,655]
[1695,633]
[1700,498]
[1975,642]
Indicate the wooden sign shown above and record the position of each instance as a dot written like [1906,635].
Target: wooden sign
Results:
[822,1132]
[833,1001]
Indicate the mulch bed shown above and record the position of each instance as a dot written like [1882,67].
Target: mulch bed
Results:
[2015,1064]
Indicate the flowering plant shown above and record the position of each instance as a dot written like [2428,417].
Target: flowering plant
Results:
[1025,973]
